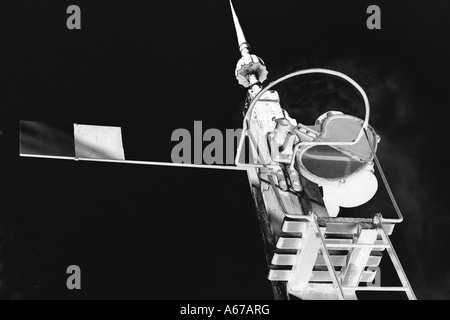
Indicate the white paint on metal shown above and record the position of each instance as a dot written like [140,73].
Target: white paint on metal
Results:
[336,244]
[352,193]
[358,258]
[314,276]
[337,260]
[306,257]
[98,142]
[237,26]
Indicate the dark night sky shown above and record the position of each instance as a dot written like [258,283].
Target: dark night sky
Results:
[151,68]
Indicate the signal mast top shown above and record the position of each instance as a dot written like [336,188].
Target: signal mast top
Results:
[300,177]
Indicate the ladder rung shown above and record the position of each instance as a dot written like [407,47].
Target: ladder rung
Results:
[279,275]
[335,244]
[294,226]
[316,276]
[332,228]
[337,260]
[290,243]
[340,261]
[324,276]
[327,287]
[284,259]
[374,288]
[377,246]
[341,229]
[297,243]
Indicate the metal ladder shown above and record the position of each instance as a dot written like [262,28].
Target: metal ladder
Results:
[307,256]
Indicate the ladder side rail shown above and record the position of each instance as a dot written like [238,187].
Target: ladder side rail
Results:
[327,258]
[397,265]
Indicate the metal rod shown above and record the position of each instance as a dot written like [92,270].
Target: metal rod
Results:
[46,157]
[327,258]
[304,72]
[397,265]
[356,245]
[374,289]
[386,185]
[148,163]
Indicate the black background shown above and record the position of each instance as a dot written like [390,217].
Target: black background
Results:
[151,67]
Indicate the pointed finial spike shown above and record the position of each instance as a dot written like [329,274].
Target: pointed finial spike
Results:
[250,70]
[243,45]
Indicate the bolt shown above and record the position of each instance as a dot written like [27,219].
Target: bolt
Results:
[377,219]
